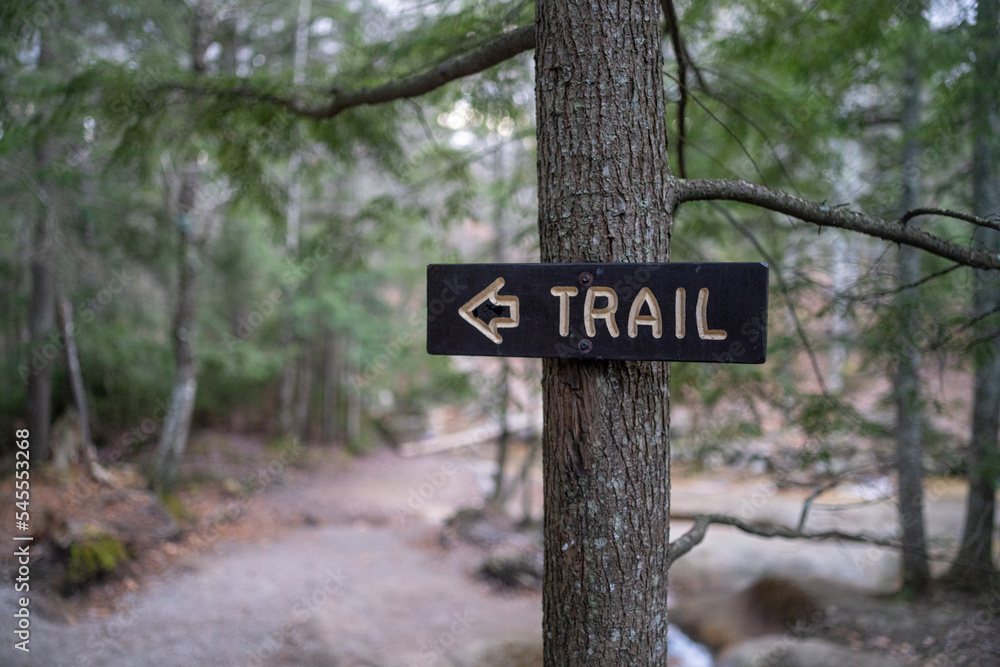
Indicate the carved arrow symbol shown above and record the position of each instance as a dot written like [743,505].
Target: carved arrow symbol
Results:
[490,330]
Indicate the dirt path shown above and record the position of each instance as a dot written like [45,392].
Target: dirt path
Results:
[341,564]
[355,578]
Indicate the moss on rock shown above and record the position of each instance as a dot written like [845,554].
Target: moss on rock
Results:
[92,558]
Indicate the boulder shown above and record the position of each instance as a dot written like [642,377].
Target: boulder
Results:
[788,651]
[771,605]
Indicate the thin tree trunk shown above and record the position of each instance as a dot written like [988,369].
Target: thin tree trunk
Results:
[88,451]
[525,482]
[603,196]
[288,421]
[842,276]
[353,425]
[177,423]
[909,410]
[499,495]
[497,498]
[304,395]
[286,393]
[75,372]
[41,327]
[42,305]
[331,387]
[42,309]
[974,567]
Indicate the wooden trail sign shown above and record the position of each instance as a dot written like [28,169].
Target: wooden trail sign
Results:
[667,312]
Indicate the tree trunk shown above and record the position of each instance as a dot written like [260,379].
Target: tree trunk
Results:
[75,372]
[288,410]
[41,326]
[177,423]
[42,304]
[42,309]
[353,421]
[604,195]
[909,411]
[842,276]
[499,494]
[304,395]
[88,451]
[331,386]
[286,392]
[974,567]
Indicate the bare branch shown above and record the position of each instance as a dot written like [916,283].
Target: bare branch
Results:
[696,534]
[680,55]
[493,52]
[872,296]
[785,292]
[948,213]
[968,324]
[807,503]
[729,130]
[827,216]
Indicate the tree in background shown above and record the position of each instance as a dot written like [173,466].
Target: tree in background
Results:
[909,404]
[974,566]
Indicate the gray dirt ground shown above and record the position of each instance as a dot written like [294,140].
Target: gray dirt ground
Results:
[361,582]
[352,572]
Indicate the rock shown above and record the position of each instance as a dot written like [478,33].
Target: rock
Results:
[110,527]
[138,517]
[524,569]
[771,605]
[788,651]
[92,557]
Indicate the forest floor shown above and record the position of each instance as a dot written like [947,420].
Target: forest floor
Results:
[310,557]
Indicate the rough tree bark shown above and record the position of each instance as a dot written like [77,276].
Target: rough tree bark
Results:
[974,567]
[909,411]
[604,195]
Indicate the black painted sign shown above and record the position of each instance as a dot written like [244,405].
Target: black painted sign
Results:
[669,312]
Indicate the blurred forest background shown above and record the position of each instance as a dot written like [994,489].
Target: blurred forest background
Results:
[183,247]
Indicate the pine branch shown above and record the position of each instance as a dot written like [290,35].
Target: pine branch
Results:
[696,534]
[493,52]
[827,216]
